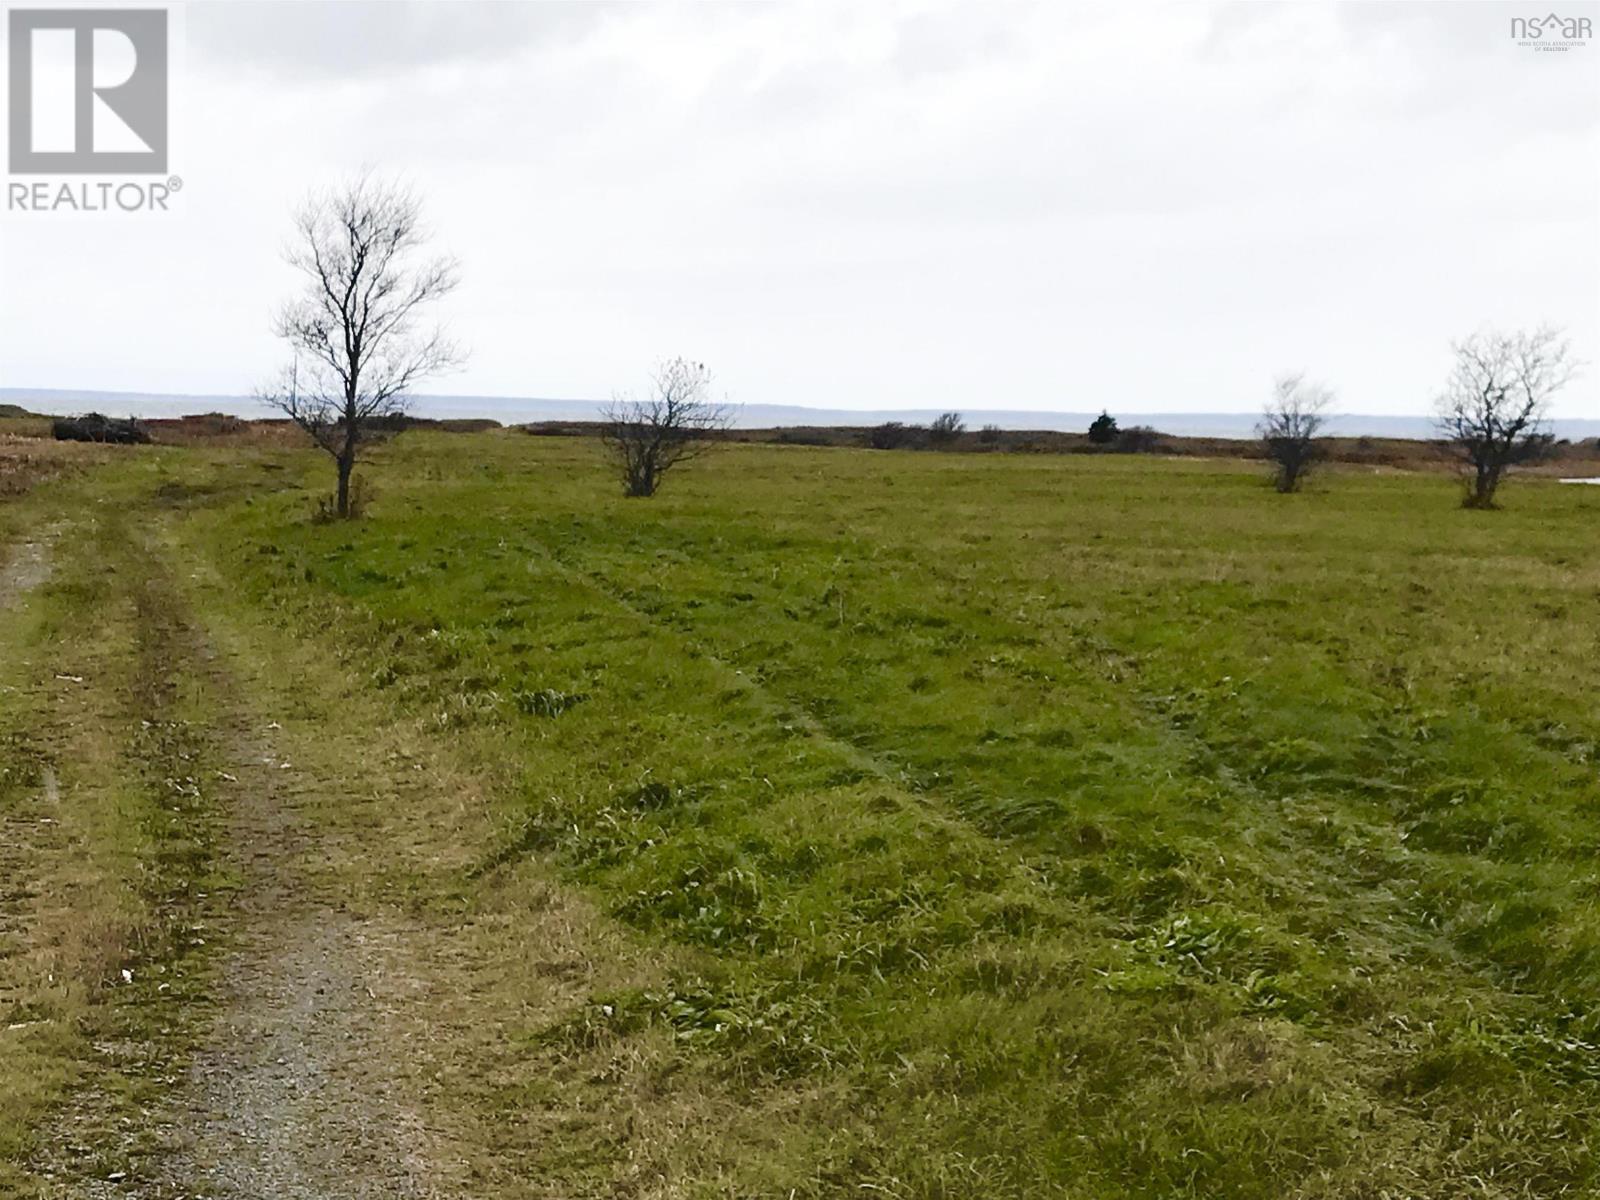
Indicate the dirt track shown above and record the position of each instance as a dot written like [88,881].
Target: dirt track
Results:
[26,568]
[325,1001]
[303,1086]
[298,1092]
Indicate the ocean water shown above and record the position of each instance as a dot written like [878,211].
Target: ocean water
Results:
[517,409]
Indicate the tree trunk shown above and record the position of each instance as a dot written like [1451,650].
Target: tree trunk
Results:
[346,465]
[347,454]
[1488,476]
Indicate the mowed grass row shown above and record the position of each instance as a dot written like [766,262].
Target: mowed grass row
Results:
[1027,826]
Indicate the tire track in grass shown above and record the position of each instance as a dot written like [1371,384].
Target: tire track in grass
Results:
[768,700]
[125,838]
[1365,879]
[1302,861]
[29,832]
[1282,807]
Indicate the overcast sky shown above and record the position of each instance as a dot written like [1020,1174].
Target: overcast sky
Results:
[868,205]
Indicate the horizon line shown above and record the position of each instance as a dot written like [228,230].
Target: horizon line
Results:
[11,393]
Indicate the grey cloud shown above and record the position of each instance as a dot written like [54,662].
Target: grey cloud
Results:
[346,39]
[948,204]
[954,39]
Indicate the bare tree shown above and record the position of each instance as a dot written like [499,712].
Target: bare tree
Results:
[1494,409]
[1289,426]
[354,329]
[946,428]
[679,421]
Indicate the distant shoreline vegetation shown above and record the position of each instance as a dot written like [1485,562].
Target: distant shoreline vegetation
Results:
[1570,456]
[511,410]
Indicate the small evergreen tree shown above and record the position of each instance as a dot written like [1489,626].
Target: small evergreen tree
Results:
[1103,431]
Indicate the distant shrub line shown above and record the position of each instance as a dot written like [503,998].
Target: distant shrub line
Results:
[94,427]
[948,432]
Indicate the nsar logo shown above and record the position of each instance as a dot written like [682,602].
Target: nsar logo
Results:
[1551,32]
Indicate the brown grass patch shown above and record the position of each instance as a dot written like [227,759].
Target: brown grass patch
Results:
[27,460]
[220,429]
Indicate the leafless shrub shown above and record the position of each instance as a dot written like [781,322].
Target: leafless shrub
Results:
[946,428]
[1494,411]
[358,351]
[894,435]
[1138,439]
[680,421]
[1290,426]
[356,501]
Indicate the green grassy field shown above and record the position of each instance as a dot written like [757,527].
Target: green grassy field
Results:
[990,825]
